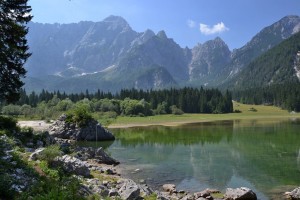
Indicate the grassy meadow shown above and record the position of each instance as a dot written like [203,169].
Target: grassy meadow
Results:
[262,112]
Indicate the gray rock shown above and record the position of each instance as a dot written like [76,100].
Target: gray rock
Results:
[35,155]
[113,192]
[295,194]
[145,189]
[39,144]
[72,165]
[129,190]
[92,132]
[162,196]
[85,153]
[239,194]
[204,194]
[169,188]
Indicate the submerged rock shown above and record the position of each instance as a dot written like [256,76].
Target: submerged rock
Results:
[91,132]
[239,194]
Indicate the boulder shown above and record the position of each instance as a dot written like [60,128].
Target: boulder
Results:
[239,194]
[72,165]
[93,131]
[169,188]
[203,194]
[295,194]
[99,155]
[129,190]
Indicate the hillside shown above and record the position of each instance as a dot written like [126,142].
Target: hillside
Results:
[278,65]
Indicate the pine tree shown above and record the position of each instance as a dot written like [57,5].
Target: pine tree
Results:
[14,14]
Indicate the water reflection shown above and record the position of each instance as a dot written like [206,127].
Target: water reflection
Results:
[261,154]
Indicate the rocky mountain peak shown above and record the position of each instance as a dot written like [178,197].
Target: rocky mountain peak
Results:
[116,22]
[162,34]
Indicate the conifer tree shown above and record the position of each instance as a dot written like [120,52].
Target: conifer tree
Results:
[14,14]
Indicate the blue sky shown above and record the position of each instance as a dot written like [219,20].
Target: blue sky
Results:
[188,22]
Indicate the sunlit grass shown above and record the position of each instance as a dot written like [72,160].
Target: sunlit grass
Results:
[263,112]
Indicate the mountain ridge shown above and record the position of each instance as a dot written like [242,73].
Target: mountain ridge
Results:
[119,56]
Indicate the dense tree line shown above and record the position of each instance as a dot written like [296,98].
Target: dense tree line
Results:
[130,101]
[286,96]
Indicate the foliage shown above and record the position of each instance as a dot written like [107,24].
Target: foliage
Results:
[175,110]
[50,152]
[8,123]
[5,186]
[274,67]
[65,188]
[13,47]
[132,102]
[79,115]
[286,96]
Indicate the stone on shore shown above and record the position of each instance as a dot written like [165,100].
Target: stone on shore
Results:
[294,195]
[129,190]
[72,165]
[239,194]
[91,132]
[99,155]
[171,188]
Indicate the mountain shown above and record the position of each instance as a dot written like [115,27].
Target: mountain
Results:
[88,46]
[208,60]
[109,56]
[281,64]
[260,43]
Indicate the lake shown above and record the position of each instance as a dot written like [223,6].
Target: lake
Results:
[263,155]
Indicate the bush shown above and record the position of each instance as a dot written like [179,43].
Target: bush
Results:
[50,153]
[5,186]
[175,110]
[252,109]
[80,115]
[8,123]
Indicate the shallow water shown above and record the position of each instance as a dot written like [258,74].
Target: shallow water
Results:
[263,155]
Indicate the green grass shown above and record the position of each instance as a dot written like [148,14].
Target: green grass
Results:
[263,112]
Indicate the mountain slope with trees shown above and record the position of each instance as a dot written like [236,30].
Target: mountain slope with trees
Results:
[278,65]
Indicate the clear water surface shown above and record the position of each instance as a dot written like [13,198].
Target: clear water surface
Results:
[263,155]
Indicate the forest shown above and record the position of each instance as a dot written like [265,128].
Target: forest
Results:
[129,102]
[286,96]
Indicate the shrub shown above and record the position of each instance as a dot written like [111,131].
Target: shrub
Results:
[175,110]
[252,109]
[237,111]
[8,123]
[50,153]
[80,115]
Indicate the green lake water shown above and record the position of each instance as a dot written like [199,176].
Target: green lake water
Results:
[263,155]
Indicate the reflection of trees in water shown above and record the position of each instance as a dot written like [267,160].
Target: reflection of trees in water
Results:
[103,144]
[190,149]
[265,155]
[269,153]
[201,133]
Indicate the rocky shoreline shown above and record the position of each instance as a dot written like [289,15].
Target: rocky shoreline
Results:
[88,163]
[98,173]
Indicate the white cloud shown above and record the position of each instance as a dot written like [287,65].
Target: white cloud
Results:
[191,23]
[217,28]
